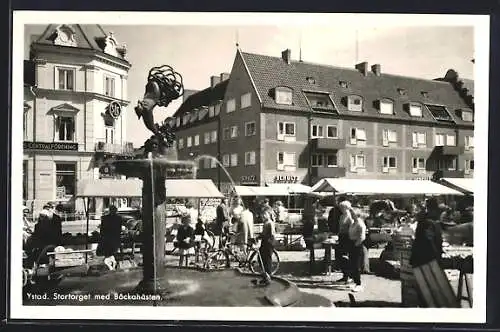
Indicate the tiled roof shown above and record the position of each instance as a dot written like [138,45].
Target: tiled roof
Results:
[204,97]
[270,72]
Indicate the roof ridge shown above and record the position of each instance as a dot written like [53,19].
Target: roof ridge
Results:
[345,68]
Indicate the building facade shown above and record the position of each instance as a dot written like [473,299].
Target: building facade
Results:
[285,121]
[75,99]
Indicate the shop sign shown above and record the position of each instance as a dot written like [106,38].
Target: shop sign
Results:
[248,179]
[52,146]
[423,178]
[114,109]
[285,179]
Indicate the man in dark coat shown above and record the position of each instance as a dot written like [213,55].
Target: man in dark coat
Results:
[111,226]
[221,220]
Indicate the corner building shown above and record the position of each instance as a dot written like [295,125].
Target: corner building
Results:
[75,98]
[286,121]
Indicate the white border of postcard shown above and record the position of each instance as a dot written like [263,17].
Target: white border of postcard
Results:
[477,314]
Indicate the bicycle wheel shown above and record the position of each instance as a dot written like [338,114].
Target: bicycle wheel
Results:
[217,260]
[255,265]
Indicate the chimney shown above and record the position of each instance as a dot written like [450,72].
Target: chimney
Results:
[363,68]
[376,69]
[224,76]
[214,80]
[286,55]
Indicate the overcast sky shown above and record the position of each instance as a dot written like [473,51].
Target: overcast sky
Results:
[198,52]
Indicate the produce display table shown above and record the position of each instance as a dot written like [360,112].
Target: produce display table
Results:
[328,245]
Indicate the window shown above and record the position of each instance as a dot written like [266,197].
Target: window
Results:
[416,110]
[439,113]
[355,103]
[234,131]
[250,158]
[357,162]
[189,141]
[390,162]
[439,140]
[213,163]
[65,180]
[226,133]
[196,140]
[283,96]
[317,160]
[386,107]
[66,79]
[65,128]
[331,131]
[226,160]
[449,164]
[186,118]
[419,139]
[206,138]
[25,125]
[316,131]
[469,142]
[180,143]
[331,160]
[320,101]
[178,121]
[109,134]
[246,100]
[469,166]
[234,159]
[389,136]
[286,161]
[206,163]
[250,128]
[467,116]
[25,179]
[418,163]
[109,86]
[213,136]
[217,109]
[231,105]
[211,111]
[450,140]
[358,135]
[286,131]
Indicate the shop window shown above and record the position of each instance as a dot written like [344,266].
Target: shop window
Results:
[65,180]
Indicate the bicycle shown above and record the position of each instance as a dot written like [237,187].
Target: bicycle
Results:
[249,258]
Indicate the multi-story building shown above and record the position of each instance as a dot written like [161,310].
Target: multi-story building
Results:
[75,99]
[285,121]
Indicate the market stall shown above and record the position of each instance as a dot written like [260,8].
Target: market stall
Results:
[464,185]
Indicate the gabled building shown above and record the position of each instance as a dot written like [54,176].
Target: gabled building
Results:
[74,110]
[286,121]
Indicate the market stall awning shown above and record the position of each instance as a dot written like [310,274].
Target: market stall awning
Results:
[260,191]
[109,188]
[465,185]
[387,187]
[179,188]
[292,188]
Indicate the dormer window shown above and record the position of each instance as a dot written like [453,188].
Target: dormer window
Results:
[467,116]
[283,95]
[310,80]
[386,106]
[414,109]
[424,94]
[355,103]
[343,84]
[320,101]
[402,92]
[439,113]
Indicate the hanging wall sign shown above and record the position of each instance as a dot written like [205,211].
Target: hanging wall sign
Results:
[114,109]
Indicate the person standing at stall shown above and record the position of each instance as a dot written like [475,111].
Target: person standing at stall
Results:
[357,235]
[222,220]
[345,243]
[111,226]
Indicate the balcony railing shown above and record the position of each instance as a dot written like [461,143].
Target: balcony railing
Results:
[328,172]
[328,143]
[121,149]
[449,150]
[445,173]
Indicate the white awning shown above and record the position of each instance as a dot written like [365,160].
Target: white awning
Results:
[465,185]
[260,191]
[178,188]
[387,187]
[292,188]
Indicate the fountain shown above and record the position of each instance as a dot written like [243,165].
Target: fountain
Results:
[160,285]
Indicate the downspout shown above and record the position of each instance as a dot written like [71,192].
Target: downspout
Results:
[34,154]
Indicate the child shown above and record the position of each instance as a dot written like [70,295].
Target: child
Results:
[185,239]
